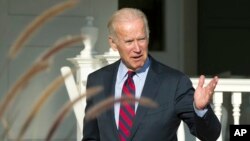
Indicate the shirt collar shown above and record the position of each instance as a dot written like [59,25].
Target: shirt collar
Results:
[122,70]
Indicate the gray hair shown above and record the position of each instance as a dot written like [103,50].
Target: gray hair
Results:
[126,14]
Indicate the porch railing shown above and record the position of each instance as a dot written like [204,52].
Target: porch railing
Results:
[233,86]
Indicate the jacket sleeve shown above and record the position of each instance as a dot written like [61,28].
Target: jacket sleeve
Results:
[206,128]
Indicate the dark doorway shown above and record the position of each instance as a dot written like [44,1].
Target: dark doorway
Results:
[224,37]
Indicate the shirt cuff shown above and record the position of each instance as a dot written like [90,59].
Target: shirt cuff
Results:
[200,113]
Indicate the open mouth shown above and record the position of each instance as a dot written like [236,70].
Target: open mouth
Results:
[137,57]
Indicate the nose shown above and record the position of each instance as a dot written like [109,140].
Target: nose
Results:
[137,47]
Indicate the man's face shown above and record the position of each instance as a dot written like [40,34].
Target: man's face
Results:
[131,43]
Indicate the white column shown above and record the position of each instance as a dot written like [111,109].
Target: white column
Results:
[84,66]
[111,56]
[181,132]
[74,93]
[85,63]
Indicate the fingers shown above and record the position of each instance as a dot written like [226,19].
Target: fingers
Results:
[212,84]
[203,95]
[201,81]
[216,78]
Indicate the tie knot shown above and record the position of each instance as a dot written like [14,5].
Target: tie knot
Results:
[131,74]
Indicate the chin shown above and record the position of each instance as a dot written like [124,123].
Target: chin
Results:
[137,67]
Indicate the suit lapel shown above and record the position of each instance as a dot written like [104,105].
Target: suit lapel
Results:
[109,86]
[149,91]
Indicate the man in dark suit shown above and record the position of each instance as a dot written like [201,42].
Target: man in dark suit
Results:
[171,89]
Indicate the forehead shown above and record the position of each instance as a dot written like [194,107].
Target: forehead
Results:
[130,27]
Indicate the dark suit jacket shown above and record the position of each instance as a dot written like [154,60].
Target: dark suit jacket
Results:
[173,92]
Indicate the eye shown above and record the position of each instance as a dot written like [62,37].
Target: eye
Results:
[128,42]
[142,39]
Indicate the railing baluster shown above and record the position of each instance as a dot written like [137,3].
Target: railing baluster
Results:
[217,101]
[236,101]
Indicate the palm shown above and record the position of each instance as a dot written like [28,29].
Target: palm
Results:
[203,95]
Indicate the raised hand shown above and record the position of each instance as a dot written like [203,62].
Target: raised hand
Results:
[203,95]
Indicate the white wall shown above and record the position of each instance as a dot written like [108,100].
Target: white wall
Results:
[181,36]
[171,55]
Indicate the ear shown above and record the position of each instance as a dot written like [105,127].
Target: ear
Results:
[112,44]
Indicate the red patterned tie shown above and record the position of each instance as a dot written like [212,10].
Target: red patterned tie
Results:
[127,110]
